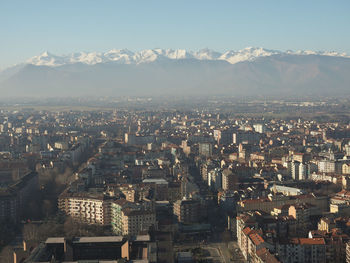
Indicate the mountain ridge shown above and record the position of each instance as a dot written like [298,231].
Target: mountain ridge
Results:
[125,56]
[281,74]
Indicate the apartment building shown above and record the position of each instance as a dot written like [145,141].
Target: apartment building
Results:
[90,209]
[268,204]
[300,250]
[125,218]
[187,211]
[13,198]
[135,221]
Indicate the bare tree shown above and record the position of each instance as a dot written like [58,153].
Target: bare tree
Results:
[30,232]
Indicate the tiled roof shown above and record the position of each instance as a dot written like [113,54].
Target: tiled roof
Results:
[246,230]
[256,238]
[266,256]
[308,241]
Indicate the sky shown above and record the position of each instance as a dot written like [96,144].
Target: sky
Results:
[28,28]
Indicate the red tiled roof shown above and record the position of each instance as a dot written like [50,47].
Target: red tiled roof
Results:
[256,238]
[311,241]
[246,230]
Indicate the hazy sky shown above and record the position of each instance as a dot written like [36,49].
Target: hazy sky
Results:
[28,28]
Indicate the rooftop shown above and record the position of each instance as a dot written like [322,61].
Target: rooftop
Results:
[104,239]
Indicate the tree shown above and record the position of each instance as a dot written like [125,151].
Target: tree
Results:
[73,228]
[30,232]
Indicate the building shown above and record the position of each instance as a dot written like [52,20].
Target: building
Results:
[246,137]
[91,249]
[13,198]
[133,139]
[215,178]
[126,218]
[88,208]
[348,252]
[340,203]
[205,149]
[136,221]
[286,190]
[301,213]
[298,170]
[326,166]
[259,128]
[302,250]
[117,215]
[346,168]
[229,180]
[225,137]
[336,242]
[268,204]
[187,210]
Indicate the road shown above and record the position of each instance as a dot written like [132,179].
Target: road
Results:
[217,251]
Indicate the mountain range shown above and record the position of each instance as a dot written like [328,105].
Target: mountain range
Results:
[250,71]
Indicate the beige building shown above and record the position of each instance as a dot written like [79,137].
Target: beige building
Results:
[229,180]
[187,211]
[88,209]
[135,222]
[348,252]
[126,218]
[301,213]
[346,168]
[326,224]
[268,204]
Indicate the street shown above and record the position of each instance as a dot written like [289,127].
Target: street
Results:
[215,251]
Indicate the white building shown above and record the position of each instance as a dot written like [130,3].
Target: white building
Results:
[215,178]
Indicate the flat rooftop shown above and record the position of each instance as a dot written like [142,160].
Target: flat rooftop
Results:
[105,239]
[55,240]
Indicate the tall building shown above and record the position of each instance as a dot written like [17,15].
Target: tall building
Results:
[226,137]
[206,149]
[229,180]
[215,178]
[13,198]
[295,170]
[298,170]
[246,137]
[260,128]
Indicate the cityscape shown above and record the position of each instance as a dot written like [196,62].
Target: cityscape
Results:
[174,131]
[205,184]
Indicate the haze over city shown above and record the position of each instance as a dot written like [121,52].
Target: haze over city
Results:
[174,131]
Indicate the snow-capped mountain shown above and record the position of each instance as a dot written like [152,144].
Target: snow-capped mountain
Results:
[125,56]
[249,71]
